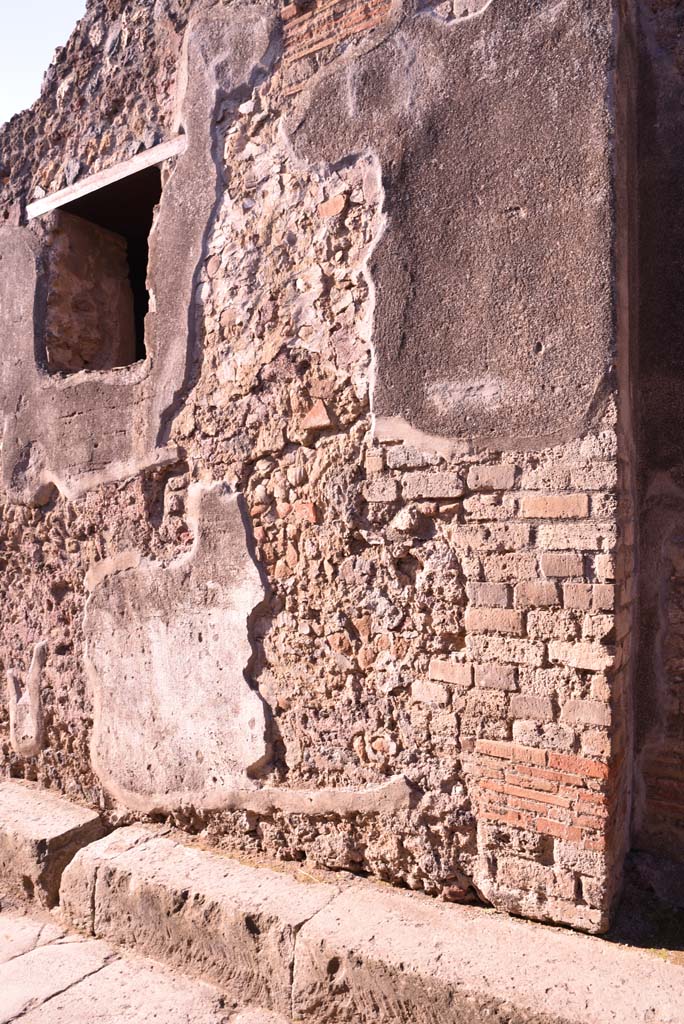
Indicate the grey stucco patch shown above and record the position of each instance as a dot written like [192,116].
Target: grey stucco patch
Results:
[167,648]
[75,432]
[494,276]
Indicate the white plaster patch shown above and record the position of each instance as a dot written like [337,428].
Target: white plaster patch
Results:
[166,653]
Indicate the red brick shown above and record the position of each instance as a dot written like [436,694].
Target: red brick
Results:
[317,418]
[546,773]
[529,802]
[570,833]
[306,510]
[494,748]
[529,755]
[537,795]
[515,777]
[579,765]
[334,206]
[514,818]
[590,821]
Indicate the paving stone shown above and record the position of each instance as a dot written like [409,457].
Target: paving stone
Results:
[134,993]
[70,980]
[42,973]
[39,834]
[385,957]
[20,933]
[199,911]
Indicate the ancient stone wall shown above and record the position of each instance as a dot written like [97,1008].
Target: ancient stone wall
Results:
[365,593]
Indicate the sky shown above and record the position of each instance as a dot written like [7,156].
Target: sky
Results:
[31,32]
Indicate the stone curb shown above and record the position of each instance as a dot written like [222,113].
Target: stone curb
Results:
[353,952]
[39,834]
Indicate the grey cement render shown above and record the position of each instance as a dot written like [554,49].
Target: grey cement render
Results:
[76,431]
[494,292]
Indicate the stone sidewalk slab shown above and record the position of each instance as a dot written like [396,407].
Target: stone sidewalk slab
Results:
[19,934]
[199,911]
[378,954]
[39,834]
[71,980]
[355,952]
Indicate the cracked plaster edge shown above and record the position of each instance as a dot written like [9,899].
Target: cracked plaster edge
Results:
[119,472]
[394,795]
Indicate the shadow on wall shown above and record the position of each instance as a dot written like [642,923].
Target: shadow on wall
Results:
[659,810]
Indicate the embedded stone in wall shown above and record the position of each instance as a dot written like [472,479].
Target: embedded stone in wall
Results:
[168,648]
[25,709]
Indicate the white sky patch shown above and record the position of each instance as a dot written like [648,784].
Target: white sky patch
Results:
[31,32]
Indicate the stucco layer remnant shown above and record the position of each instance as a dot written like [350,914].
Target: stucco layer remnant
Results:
[26,713]
[493,318]
[167,651]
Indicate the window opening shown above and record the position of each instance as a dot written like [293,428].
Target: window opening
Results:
[97,252]
[126,208]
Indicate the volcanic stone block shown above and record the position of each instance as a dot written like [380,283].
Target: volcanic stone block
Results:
[39,834]
[202,912]
[385,957]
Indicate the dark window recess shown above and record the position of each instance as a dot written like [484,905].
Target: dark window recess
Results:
[127,208]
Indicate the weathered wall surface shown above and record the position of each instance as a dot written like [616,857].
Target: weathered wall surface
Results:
[408,341]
